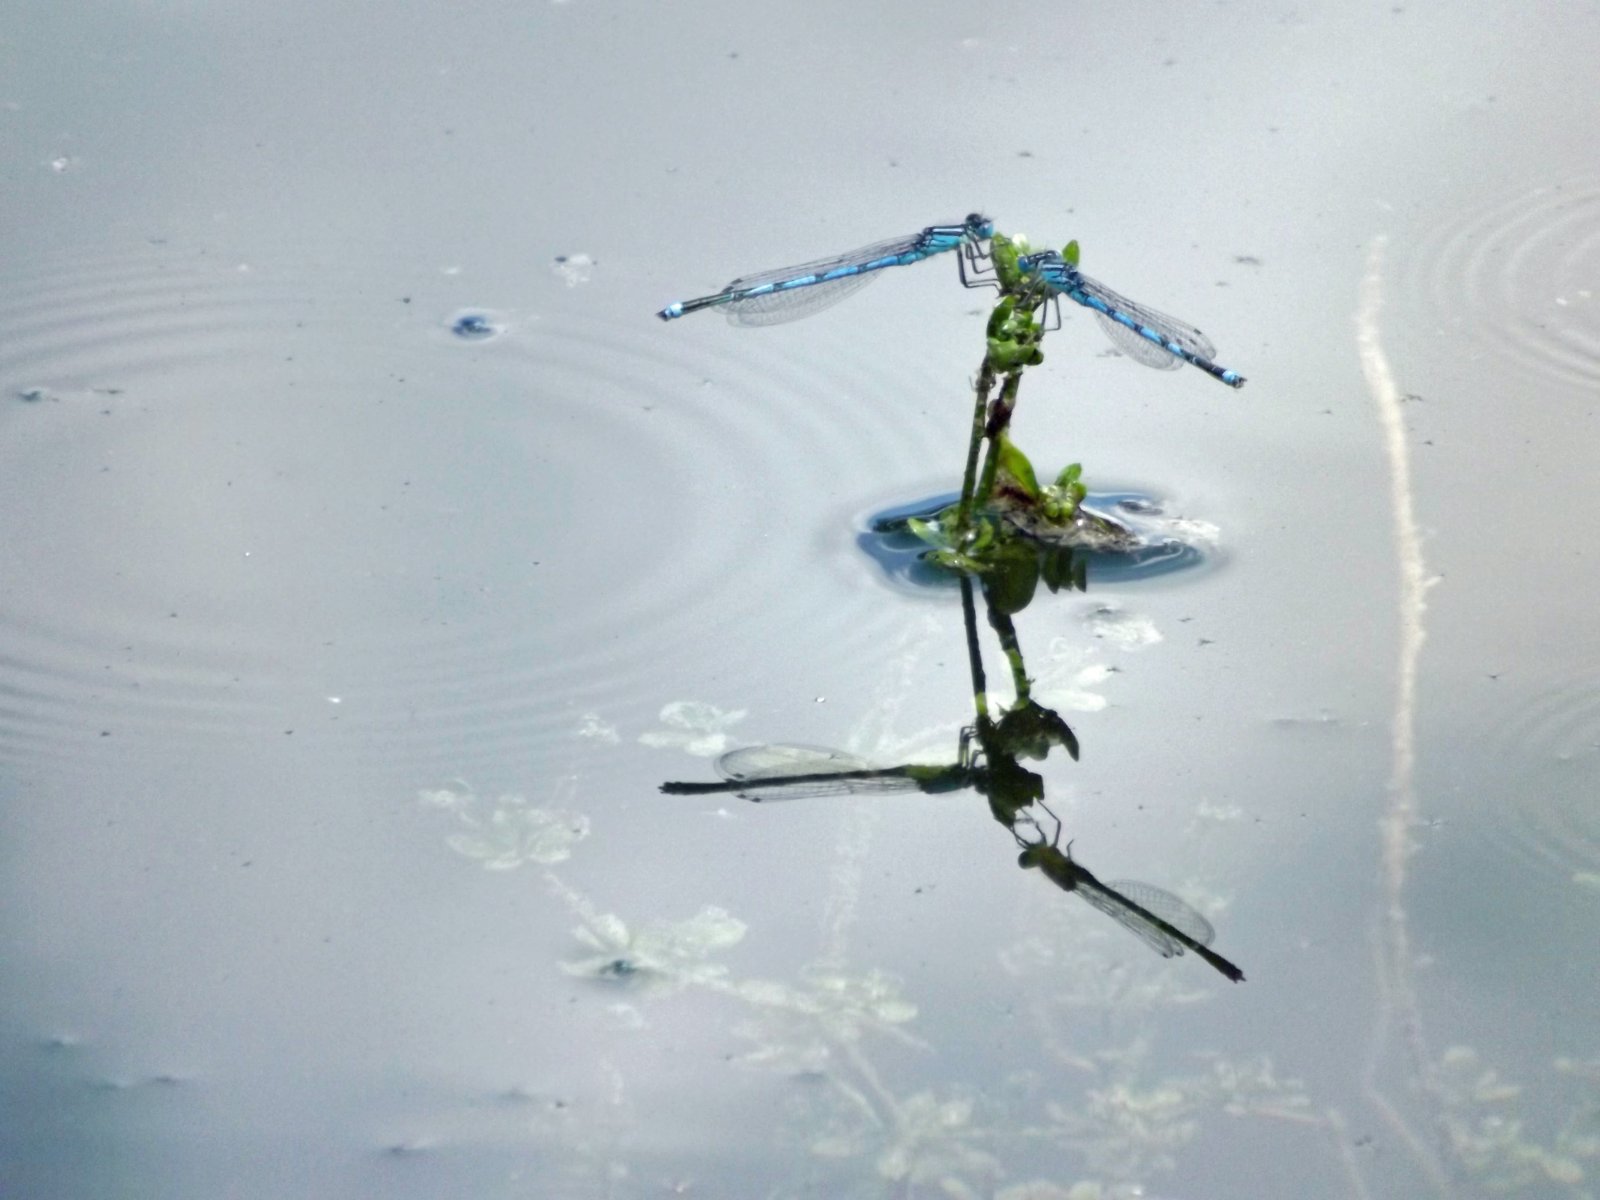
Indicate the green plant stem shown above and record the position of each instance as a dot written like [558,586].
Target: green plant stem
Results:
[980,687]
[1007,633]
[999,420]
[980,416]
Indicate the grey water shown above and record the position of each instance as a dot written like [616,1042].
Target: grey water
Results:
[372,553]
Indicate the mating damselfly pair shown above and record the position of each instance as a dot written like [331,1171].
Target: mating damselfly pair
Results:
[1165,923]
[789,293]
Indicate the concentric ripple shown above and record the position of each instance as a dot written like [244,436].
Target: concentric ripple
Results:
[1522,278]
[1551,742]
[255,508]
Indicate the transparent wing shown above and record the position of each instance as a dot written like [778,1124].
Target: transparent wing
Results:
[790,771]
[1134,344]
[820,266]
[1138,347]
[785,758]
[855,268]
[774,308]
[1162,903]
[1157,902]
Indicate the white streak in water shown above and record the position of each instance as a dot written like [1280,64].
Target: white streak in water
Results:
[1400,815]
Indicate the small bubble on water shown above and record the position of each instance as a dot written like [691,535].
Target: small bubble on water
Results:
[475,326]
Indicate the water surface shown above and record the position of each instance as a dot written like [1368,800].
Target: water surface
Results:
[372,553]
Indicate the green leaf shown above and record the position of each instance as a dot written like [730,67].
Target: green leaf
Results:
[1070,252]
[1012,577]
[927,531]
[1060,569]
[1015,463]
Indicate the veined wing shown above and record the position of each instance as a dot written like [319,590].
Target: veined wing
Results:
[790,304]
[1134,344]
[1158,903]
[790,771]
[777,308]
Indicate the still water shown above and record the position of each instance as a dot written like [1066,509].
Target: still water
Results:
[373,554]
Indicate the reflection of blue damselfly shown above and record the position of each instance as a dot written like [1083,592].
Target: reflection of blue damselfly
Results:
[790,772]
[1144,335]
[788,293]
[1162,921]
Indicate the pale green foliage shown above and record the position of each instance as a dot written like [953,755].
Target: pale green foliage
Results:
[506,832]
[657,955]
[1480,1118]
[694,727]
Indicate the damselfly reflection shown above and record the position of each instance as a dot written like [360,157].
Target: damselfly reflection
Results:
[791,771]
[1163,922]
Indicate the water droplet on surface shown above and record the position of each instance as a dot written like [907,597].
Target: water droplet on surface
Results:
[474,326]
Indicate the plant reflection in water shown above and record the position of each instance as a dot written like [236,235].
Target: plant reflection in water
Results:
[988,761]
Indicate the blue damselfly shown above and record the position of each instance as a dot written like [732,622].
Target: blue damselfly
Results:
[1143,334]
[789,293]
